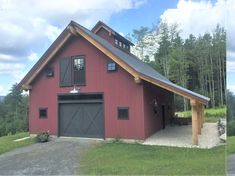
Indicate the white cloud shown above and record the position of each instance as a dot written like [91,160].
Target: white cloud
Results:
[14,70]
[231,88]
[230,54]
[122,34]
[33,56]
[30,23]
[197,17]
[7,58]
[231,66]
[4,90]
[28,27]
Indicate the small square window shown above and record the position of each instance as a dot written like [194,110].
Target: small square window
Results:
[42,113]
[49,72]
[123,113]
[112,66]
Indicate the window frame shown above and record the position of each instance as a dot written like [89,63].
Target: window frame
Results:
[73,58]
[118,113]
[49,72]
[115,66]
[39,113]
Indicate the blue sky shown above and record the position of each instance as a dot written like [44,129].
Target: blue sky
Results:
[28,28]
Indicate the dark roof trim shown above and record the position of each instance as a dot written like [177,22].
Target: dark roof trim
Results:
[102,24]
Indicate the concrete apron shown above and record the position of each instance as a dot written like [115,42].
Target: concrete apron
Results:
[181,136]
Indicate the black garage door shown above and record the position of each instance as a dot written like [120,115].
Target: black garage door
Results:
[81,116]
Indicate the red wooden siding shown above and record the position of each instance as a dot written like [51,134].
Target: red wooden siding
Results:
[119,89]
[105,35]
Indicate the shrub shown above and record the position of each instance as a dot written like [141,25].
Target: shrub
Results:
[43,137]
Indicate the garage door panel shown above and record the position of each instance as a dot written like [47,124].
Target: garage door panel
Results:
[68,122]
[82,119]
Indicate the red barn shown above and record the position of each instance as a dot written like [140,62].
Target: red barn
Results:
[88,84]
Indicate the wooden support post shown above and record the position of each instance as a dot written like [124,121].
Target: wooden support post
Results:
[194,122]
[203,114]
[199,120]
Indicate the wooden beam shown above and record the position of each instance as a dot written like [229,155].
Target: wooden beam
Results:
[203,114]
[199,118]
[194,122]
[170,88]
[26,87]
[137,80]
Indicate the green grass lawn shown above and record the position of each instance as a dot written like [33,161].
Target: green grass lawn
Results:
[231,145]
[125,159]
[7,142]
[211,115]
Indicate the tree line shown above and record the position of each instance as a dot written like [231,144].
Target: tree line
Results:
[14,113]
[197,63]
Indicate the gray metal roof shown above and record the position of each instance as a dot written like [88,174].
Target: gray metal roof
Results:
[136,63]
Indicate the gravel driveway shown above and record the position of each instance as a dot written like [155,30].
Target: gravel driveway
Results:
[231,165]
[57,157]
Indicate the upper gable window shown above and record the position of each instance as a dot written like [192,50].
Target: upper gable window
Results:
[72,71]
[78,63]
[111,66]
[78,70]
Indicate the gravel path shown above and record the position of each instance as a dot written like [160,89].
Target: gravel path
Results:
[181,136]
[231,165]
[57,157]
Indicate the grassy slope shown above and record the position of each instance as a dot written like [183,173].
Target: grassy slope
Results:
[119,158]
[7,143]
[211,115]
[231,145]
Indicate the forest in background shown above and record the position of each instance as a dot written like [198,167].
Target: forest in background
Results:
[14,112]
[197,63]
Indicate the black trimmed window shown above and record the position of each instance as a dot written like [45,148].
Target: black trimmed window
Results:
[42,113]
[49,72]
[78,70]
[111,66]
[123,113]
